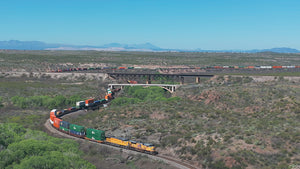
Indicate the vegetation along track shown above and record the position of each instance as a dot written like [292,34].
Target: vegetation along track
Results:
[171,161]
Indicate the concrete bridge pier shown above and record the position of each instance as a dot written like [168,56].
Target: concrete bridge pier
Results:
[197,79]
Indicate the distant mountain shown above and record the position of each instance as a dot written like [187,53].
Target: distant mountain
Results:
[281,50]
[25,45]
[37,45]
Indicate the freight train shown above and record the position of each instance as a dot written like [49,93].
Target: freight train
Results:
[202,68]
[92,134]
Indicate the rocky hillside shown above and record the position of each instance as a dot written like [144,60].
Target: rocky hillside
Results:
[227,122]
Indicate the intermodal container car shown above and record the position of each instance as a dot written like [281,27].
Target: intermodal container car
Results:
[64,129]
[97,102]
[89,102]
[52,115]
[77,128]
[64,124]
[77,133]
[56,122]
[95,134]
[80,104]
[108,97]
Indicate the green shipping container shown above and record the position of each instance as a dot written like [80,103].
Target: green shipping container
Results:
[95,134]
[64,129]
[77,128]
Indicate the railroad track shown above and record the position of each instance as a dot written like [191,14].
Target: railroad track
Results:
[169,160]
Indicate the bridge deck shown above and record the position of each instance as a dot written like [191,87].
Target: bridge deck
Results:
[143,85]
[170,88]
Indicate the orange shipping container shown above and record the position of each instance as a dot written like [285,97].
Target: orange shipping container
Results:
[52,114]
[276,67]
[251,67]
[56,122]
[89,101]
[108,97]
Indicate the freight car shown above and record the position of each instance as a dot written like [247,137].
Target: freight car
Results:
[93,134]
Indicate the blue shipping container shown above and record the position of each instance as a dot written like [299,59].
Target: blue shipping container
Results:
[64,124]
[77,133]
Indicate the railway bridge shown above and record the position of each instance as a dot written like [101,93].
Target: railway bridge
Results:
[151,76]
[170,88]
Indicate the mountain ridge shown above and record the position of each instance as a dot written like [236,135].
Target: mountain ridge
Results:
[38,45]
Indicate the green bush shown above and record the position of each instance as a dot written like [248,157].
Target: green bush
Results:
[1,105]
[58,101]
[35,149]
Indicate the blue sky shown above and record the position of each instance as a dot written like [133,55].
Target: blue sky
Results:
[183,24]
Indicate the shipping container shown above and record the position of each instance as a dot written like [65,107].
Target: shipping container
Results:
[71,109]
[251,67]
[52,114]
[108,97]
[276,67]
[89,102]
[103,101]
[64,129]
[58,113]
[95,134]
[56,122]
[64,124]
[80,104]
[130,67]
[109,91]
[77,133]
[77,128]
[97,102]
[122,67]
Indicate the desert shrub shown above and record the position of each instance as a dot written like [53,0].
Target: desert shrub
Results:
[1,105]
[169,140]
[58,101]
[35,149]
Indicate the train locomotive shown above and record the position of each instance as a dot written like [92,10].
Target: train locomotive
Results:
[92,134]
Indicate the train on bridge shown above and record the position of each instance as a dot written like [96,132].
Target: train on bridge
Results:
[202,68]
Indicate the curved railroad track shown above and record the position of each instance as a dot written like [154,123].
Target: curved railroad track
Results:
[169,160]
